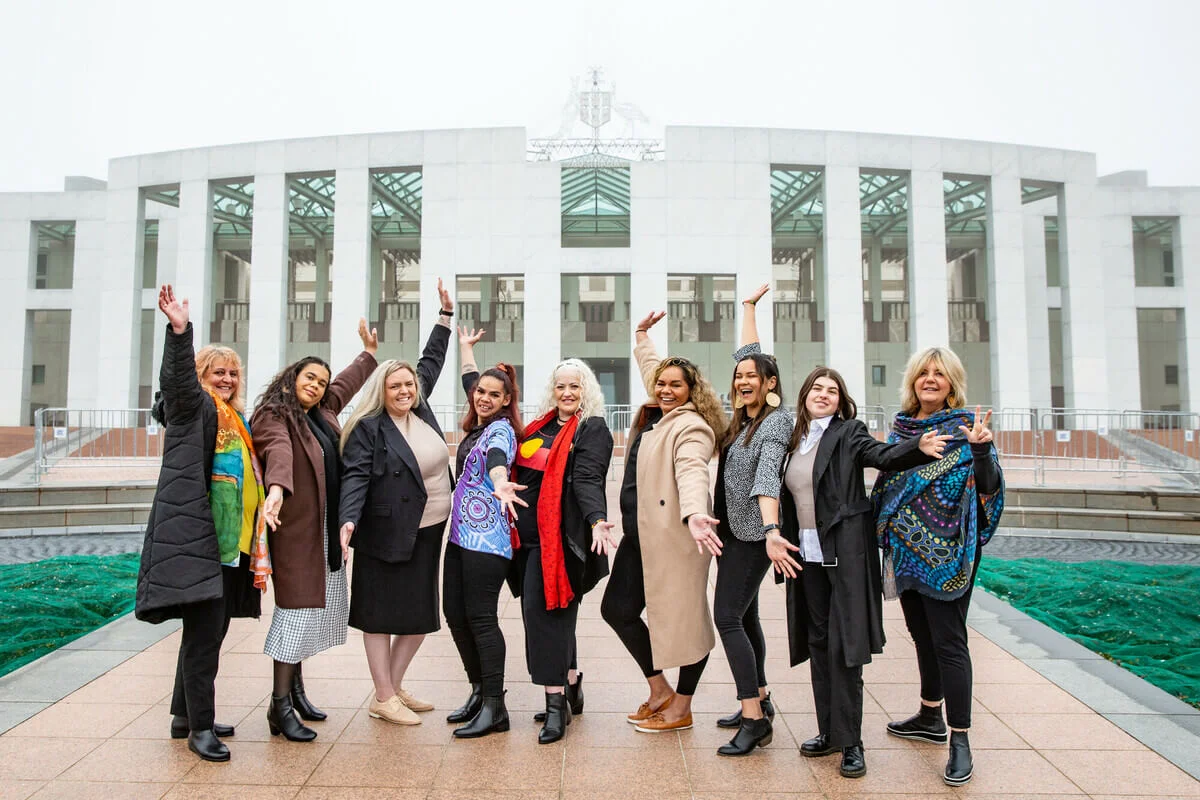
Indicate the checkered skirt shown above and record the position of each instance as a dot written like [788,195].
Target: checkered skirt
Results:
[300,633]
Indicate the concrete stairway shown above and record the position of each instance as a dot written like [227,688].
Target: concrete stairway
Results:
[125,505]
[1127,510]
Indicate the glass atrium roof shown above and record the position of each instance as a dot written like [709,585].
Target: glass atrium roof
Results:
[595,200]
[396,203]
[55,231]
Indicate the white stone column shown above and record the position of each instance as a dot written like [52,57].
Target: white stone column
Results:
[193,266]
[875,278]
[321,279]
[648,288]
[121,298]
[86,315]
[1085,368]
[1120,312]
[1037,319]
[352,258]
[928,290]
[845,334]
[18,257]
[268,282]
[543,326]
[749,278]
[1186,238]
[168,272]
[1007,299]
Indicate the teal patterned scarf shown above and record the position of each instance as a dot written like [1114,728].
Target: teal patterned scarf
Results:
[931,519]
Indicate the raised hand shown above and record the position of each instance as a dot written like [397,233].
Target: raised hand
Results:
[704,532]
[932,444]
[650,320]
[272,505]
[370,338]
[757,294]
[506,493]
[176,310]
[979,433]
[777,551]
[344,535]
[469,337]
[445,298]
[604,538]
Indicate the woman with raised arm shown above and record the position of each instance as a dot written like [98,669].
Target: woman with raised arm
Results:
[480,550]
[396,488]
[747,504]
[296,431]
[661,565]
[204,558]
[835,598]
[932,525]
[565,535]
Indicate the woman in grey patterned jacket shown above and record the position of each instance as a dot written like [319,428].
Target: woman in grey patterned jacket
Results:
[747,505]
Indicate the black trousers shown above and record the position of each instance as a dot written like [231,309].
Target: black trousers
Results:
[837,689]
[471,584]
[740,571]
[622,607]
[549,635]
[204,627]
[939,631]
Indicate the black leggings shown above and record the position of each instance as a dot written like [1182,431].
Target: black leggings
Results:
[740,571]
[549,635]
[471,584]
[939,631]
[622,606]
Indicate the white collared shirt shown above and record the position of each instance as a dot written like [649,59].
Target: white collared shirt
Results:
[810,543]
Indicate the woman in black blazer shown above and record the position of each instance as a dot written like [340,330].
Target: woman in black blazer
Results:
[396,490]
[835,599]
[561,468]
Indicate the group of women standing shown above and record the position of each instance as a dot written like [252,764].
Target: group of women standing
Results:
[526,505]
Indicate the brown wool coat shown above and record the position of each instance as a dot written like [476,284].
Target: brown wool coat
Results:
[673,483]
[291,458]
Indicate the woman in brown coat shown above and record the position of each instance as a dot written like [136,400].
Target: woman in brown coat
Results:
[296,432]
[661,565]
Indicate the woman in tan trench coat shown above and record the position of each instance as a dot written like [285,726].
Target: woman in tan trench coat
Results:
[662,563]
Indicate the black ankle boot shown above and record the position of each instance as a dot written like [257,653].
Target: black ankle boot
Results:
[574,693]
[281,718]
[558,717]
[734,720]
[305,709]
[467,711]
[927,726]
[854,763]
[180,729]
[751,733]
[206,745]
[492,718]
[959,766]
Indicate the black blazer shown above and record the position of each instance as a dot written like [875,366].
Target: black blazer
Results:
[383,493]
[846,528]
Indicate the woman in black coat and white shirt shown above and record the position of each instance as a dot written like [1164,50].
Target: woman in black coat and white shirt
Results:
[835,599]
[396,490]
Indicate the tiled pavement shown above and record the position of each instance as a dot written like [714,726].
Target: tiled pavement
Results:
[1030,737]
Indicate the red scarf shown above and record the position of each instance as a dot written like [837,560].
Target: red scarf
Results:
[549,512]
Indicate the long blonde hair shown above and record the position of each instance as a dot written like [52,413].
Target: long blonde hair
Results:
[209,356]
[591,401]
[951,366]
[374,393]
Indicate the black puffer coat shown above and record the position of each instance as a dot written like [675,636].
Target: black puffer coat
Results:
[180,560]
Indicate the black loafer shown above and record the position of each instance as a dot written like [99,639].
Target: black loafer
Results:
[180,730]
[854,764]
[959,767]
[206,745]
[817,746]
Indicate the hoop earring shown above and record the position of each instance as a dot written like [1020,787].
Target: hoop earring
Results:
[773,400]
[738,402]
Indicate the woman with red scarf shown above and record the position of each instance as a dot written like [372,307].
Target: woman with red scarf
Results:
[562,462]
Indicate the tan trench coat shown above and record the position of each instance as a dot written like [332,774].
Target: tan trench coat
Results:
[672,484]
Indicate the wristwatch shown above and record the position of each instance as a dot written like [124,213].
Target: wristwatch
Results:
[766,529]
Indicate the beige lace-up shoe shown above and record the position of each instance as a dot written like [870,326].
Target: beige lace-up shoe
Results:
[412,702]
[393,710]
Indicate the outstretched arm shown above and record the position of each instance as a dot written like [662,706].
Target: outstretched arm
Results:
[643,349]
[466,357]
[749,322]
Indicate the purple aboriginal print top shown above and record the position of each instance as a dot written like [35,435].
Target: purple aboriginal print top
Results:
[477,519]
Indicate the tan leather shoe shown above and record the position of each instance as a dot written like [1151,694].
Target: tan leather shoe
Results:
[645,711]
[393,710]
[412,702]
[657,723]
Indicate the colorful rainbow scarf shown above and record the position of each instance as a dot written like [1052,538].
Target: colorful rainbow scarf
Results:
[236,495]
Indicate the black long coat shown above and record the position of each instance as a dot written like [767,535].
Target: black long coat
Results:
[583,497]
[180,562]
[846,528]
[383,492]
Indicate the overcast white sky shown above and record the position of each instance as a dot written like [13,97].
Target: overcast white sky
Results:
[82,82]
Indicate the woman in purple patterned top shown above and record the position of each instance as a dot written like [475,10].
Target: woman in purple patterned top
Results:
[480,548]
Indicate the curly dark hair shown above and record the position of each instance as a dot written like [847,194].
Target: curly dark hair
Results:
[279,397]
[507,375]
